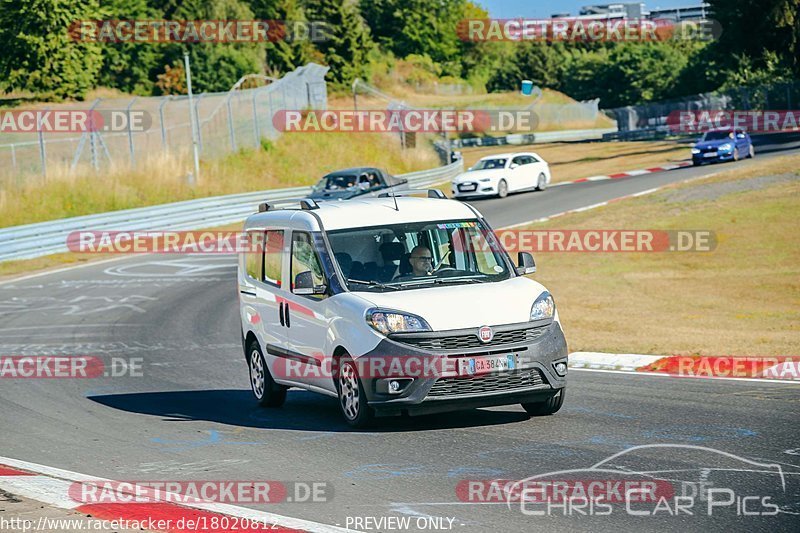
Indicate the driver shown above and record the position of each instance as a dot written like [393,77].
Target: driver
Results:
[421,261]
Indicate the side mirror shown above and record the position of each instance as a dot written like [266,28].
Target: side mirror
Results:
[526,263]
[304,284]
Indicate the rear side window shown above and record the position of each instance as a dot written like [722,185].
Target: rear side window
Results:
[253,259]
[273,257]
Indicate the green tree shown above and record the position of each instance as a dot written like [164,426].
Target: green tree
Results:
[131,67]
[348,43]
[756,28]
[542,63]
[293,49]
[625,73]
[422,27]
[215,66]
[40,55]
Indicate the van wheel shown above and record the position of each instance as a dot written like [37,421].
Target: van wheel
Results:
[752,153]
[267,392]
[542,183]
[547,407]
[502,189]
[352,400]
[735,154]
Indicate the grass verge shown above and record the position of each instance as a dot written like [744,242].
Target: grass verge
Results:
[295,159]
[741,299]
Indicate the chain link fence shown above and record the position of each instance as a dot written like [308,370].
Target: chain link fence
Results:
[549,115]
[227,122]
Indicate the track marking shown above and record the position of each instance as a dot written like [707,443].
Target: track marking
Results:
[663,375]
[602,204]
[52,486]
[63,269]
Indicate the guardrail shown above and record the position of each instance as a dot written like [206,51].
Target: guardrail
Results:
[533,138]
[44,238]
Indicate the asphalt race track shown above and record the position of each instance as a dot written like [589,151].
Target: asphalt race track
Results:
[190,415]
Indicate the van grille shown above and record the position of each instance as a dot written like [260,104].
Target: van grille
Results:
[487,383]
[461,342]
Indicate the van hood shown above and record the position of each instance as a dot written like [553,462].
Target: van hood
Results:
[464,306]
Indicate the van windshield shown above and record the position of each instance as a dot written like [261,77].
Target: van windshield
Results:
[419,254]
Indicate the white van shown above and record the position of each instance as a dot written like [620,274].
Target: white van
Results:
[395,305]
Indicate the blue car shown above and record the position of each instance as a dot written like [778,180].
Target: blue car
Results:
[722,145]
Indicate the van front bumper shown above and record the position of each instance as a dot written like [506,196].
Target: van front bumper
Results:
[536,348]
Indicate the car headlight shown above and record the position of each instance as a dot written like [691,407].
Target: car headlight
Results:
[725,147]
[387,322]
[695,151]
[543,307]
[484,180]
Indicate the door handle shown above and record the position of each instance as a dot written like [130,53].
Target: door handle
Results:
[283,323]
[286,313]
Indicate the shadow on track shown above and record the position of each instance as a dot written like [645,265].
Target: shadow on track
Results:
[303,411]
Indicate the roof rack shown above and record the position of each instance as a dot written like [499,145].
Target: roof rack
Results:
[432,193]
[306,204]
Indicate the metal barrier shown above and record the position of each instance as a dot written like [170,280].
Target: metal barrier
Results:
[44,238]
[533,138]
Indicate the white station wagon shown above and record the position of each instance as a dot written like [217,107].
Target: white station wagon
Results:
[395,305]
[498,175]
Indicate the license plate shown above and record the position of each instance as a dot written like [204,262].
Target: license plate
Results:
[710,154]
[467,187]
[471,366]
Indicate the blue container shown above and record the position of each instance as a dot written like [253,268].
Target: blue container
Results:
[527,87]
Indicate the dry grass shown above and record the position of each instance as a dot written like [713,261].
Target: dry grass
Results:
[569,161]
[472,101]
[296,159]
[741,299]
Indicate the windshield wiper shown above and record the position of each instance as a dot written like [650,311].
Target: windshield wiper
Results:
[440,281]
[459,280]
[373,284]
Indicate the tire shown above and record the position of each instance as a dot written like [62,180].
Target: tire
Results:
[542,183]
[352,399]
[752,152]
[502,189]
[267,392]
[735,154]
[548,407]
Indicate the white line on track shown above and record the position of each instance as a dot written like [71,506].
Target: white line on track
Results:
[63,269]
[51,490]
[664,375]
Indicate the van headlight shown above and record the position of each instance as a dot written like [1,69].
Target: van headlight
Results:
[725,147]
[695,151]
[543,307]
[388,322]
